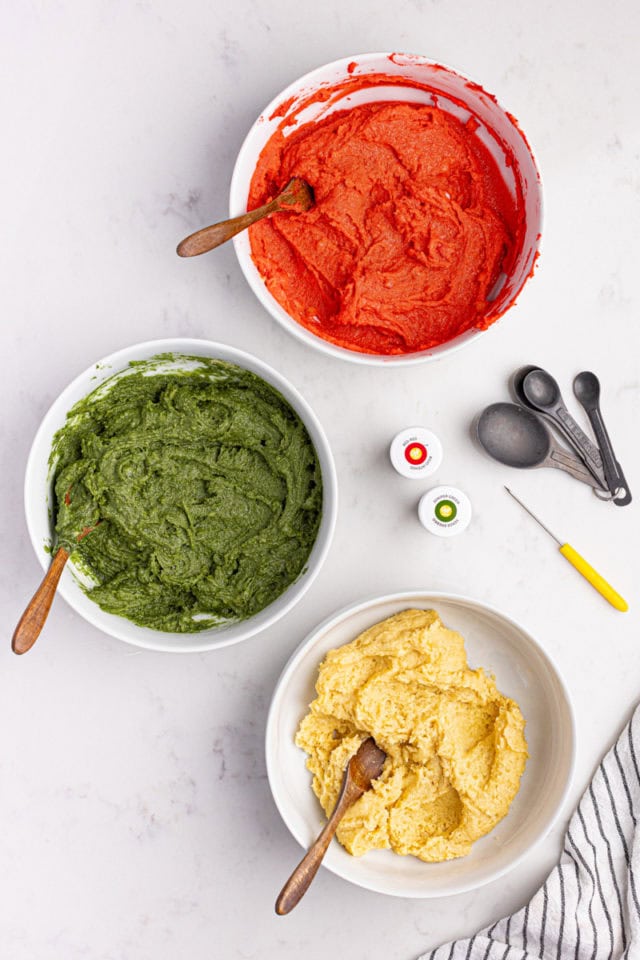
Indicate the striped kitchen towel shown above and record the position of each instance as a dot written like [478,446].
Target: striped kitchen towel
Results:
[589,906]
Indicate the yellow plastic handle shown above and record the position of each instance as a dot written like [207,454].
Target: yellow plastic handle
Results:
[593,577]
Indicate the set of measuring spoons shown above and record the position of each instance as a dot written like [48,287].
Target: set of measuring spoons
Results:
[516,433]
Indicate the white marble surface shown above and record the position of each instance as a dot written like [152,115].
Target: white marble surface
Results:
[136,815]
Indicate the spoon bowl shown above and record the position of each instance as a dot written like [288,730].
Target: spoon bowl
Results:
[513,436]
[516,381]
[586,387]
[541,390]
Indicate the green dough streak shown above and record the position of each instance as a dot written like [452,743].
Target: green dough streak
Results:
[205,488]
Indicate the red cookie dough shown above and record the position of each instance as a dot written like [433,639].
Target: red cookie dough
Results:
[412,227]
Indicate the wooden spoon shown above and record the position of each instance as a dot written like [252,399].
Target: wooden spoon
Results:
[366,765]
[32,620]
[296,197]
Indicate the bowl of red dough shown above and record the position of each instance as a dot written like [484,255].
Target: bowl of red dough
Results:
[426,217]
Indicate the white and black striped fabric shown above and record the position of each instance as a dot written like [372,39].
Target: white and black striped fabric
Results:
[589,906]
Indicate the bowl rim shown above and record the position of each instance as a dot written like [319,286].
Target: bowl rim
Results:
[120,627]
[258,286]
[434,596]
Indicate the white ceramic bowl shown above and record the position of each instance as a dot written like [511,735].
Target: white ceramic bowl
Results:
[38,498]
[456,94]
[523,671]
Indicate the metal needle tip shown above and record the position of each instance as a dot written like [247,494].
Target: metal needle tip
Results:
[531,514]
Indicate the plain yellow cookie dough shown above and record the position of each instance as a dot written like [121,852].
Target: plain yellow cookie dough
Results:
[455,745]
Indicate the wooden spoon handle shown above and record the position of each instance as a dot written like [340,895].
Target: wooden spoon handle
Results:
[32,620]
[300,880]
[209,237]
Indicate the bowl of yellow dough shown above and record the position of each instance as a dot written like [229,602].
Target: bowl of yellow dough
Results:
[476,723]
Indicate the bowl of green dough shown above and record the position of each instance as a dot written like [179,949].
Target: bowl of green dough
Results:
[194,489]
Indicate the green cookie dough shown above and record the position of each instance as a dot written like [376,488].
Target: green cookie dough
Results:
[202,485]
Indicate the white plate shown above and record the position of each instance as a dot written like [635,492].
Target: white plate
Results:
[523,671]
[38,499]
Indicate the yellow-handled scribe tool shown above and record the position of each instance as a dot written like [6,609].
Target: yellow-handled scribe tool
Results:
[581,565]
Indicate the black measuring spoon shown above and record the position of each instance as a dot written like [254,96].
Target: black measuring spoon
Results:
[515,436]
[516,381]
[586,387]
[543,393]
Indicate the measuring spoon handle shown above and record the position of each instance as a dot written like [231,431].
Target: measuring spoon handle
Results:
[612,471]
[568,463]
[300,880]
[218,233]
[580,441]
